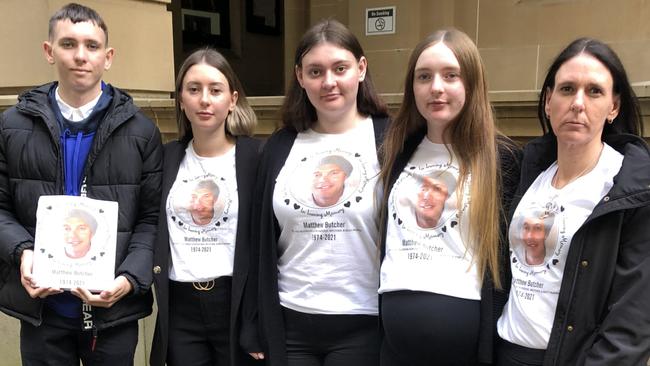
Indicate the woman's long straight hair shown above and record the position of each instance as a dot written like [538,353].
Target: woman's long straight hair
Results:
[472,137]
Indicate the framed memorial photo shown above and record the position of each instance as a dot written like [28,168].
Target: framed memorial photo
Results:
[75,243]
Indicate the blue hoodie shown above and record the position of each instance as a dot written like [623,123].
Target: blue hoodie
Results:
[76,140]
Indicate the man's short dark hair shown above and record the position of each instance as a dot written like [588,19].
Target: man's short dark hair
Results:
[77,13]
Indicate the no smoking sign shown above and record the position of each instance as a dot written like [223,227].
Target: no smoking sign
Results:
[380,21]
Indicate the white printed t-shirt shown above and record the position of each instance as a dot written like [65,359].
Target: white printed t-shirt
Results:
[324,204]
[202,209]
[426,232]
[540,236]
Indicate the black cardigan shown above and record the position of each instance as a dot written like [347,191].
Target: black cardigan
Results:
[509,160]
[271,323]
[246,158]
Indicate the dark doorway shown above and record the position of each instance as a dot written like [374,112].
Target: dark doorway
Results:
[249,33]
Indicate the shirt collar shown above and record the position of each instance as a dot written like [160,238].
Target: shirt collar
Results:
[75,114]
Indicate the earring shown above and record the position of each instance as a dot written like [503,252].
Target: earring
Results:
[610,121]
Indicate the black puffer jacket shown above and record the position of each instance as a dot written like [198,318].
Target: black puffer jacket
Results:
[124,165]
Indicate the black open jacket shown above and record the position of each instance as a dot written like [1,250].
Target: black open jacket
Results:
[246,157]
[603,311]
[266,301]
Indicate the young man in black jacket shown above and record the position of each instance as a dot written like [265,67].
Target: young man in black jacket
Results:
[80,137]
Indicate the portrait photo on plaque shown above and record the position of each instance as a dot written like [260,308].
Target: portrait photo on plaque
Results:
[74,244]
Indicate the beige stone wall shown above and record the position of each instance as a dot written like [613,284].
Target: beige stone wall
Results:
[140,32]
[517,39]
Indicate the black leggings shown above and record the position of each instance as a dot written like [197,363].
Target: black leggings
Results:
[423,328]
[331,340]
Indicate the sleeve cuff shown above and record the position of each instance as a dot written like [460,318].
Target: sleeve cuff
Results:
[18,252]
[248,339]
[132,281]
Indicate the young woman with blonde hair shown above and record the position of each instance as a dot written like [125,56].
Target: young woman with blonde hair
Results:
[201,256]
[436,281]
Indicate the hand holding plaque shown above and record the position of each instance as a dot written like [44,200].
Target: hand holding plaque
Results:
[74,245]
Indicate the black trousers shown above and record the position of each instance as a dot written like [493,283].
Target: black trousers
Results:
[60,341]
[331,340]
[510,354]
[199,323]
[423,328]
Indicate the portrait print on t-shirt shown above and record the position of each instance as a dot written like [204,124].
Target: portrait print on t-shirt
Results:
[540,237]
[426,233]
[329,178]
[424,209]
[539,242]
[424,206]
[200,204]
[324,201]
[426,199]
[533,234]
[325,180]
[201,215]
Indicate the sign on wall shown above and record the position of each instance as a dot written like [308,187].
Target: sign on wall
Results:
[380,21]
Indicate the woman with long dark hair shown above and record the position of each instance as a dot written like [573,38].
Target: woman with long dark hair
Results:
[586,185]
[318,268]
